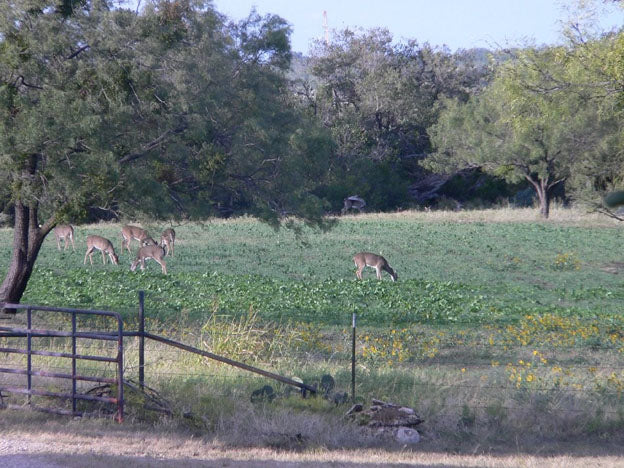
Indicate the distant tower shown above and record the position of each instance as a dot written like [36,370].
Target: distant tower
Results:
[325,27]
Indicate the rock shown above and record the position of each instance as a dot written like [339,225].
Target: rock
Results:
[393,417]
[383,415]
[340,398]
[327,384]
[265,393]
[355,409]
[407,435]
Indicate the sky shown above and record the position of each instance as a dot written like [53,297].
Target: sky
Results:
[458,24]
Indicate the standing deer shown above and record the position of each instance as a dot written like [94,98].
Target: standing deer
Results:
[353,202]
[133,232]
[103,245]
[364,259]
[167,240]
[150,251]
[64,231]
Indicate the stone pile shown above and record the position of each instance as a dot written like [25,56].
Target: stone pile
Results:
[388,420]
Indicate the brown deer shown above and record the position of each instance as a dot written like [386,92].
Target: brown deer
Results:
[134,232]
[167,240]
[155,252]
[103,245]
[364,259]
[64,231]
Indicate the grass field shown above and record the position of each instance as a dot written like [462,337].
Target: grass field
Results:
[501,327]
[449,270]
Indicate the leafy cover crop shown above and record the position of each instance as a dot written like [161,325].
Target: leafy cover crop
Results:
[448,273]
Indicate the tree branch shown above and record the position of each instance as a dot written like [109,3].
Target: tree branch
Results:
[609,213]
[151,145]
[75,54]
[28,85]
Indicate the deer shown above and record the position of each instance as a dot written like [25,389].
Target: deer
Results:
[134,232]
[353,202]
[155,252]
[103,245]
[64,231]
[364,259]
[167,240]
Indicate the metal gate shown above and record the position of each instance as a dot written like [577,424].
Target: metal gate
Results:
[23,338]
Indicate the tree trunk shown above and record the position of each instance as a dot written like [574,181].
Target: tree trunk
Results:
[27,240]
[543,194]
[544,198]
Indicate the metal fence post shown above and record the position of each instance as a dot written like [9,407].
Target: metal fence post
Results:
[120,381]
[353,360]
[74,352]
[29,355]
[142,339]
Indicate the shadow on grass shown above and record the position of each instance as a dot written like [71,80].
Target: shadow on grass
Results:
[58,441]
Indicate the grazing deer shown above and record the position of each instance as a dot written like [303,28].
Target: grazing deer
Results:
[364,259]
[150,251]
[64,231]
[353,202]
[167,240]
[133,232]
[103,245]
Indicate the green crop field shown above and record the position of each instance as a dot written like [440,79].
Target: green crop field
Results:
[448,271]
[506,327]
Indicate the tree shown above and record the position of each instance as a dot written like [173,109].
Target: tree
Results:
[246,148]
[377,99]
[599,70]
[159,113]
[64,92]
[528,124]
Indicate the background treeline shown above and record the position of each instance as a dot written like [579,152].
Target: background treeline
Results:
[177,112]
[415,125]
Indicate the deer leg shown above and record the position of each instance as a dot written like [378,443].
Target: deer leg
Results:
[71,237]
[378,272]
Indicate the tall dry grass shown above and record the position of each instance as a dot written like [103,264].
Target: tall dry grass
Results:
[572,216]
[44,442]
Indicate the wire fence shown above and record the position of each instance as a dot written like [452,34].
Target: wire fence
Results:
[568,367]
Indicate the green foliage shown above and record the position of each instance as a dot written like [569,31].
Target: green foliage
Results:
[448,273]
[125,117]
[377,98]
[538,120]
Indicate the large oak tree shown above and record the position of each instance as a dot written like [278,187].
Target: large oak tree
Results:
[168,112]
[529,123]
